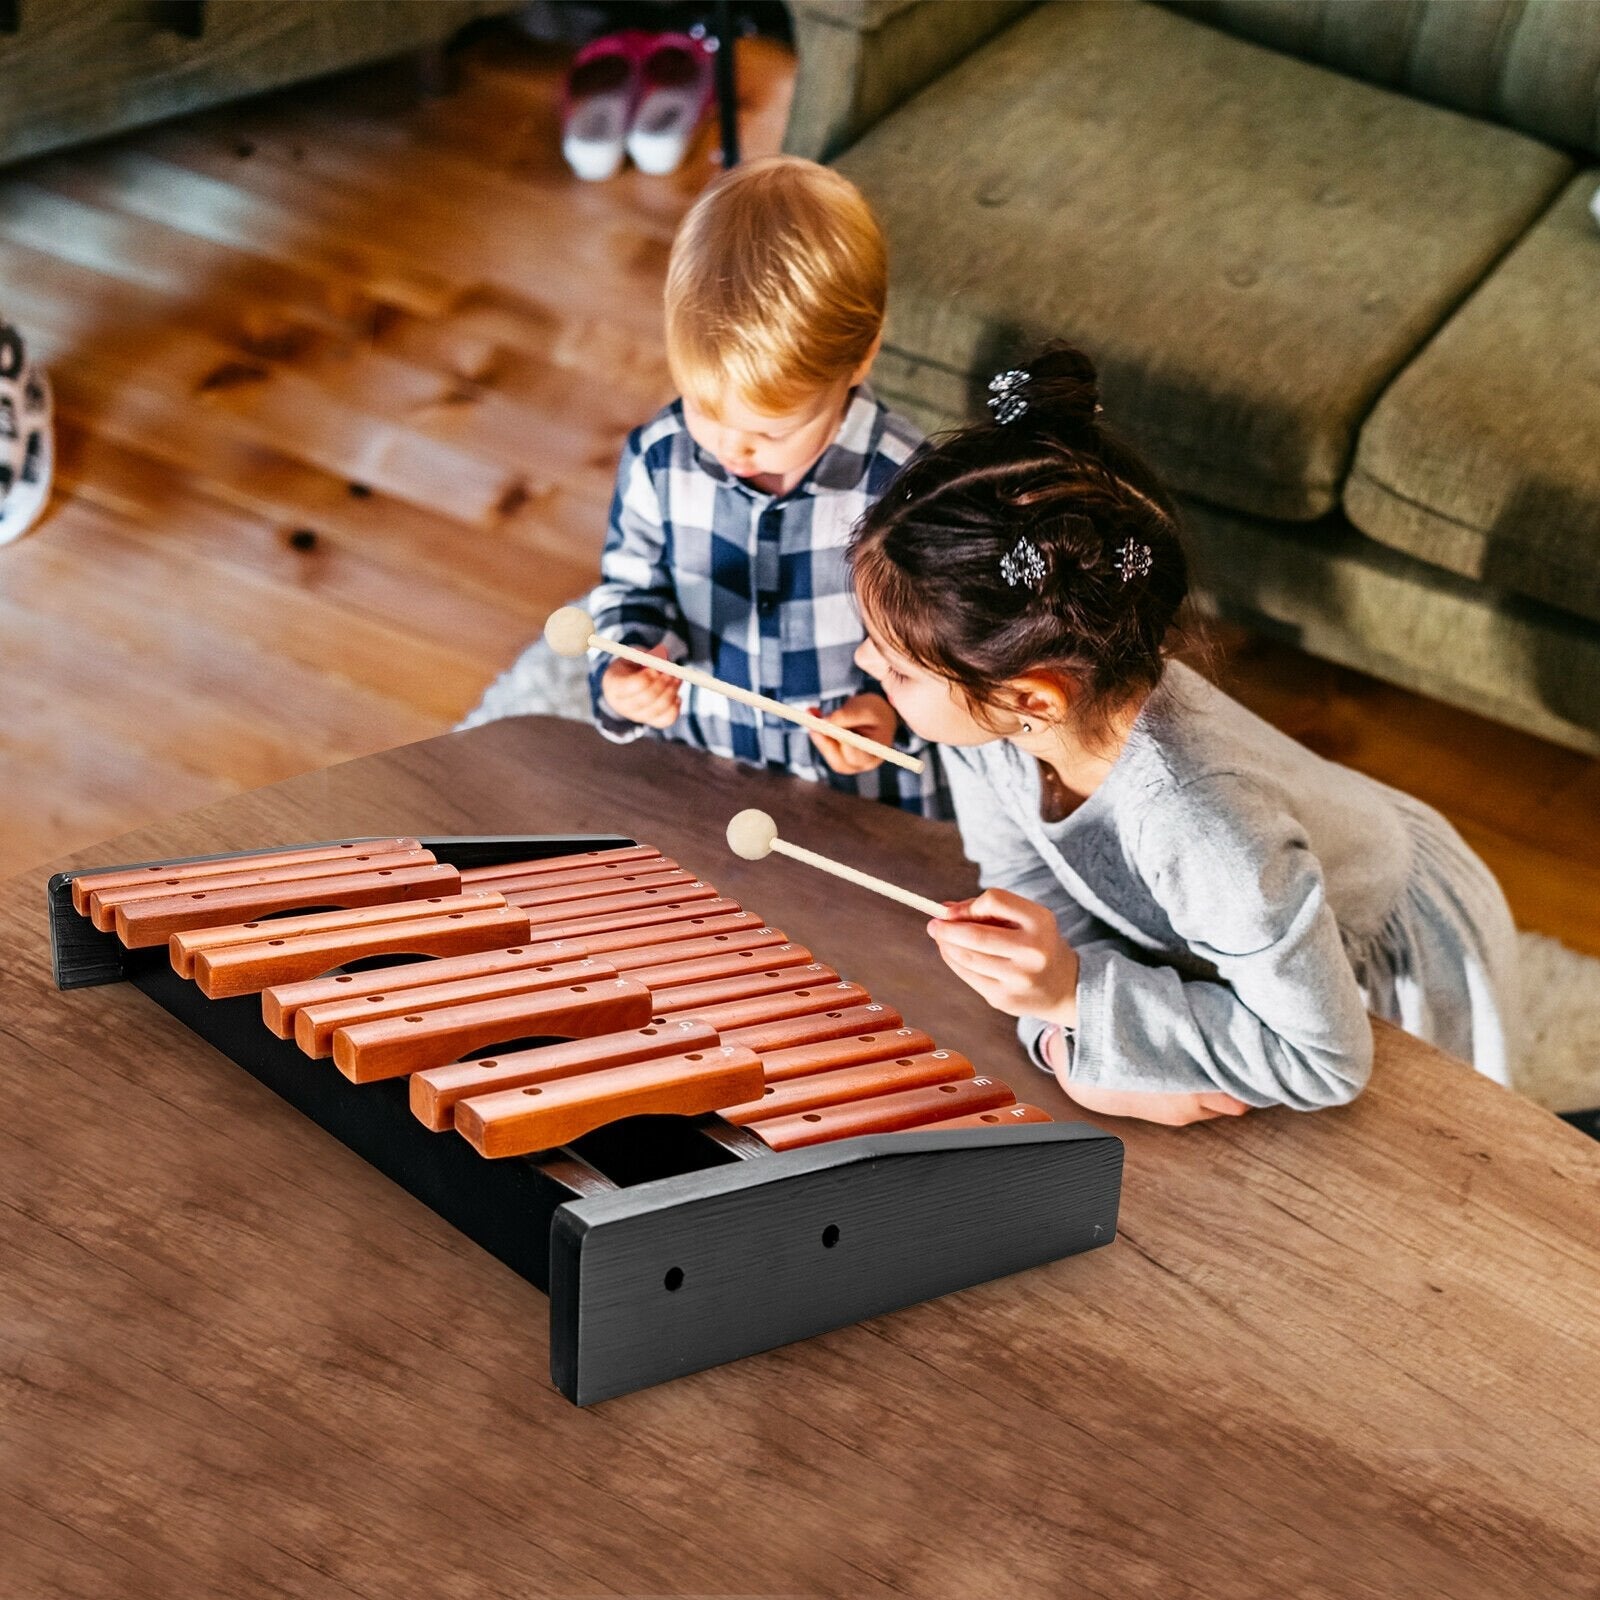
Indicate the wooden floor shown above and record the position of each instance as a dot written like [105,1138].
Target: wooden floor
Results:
[342,375]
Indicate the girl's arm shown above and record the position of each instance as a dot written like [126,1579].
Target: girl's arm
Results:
[636,601]
[1284,1022]
[1007,861]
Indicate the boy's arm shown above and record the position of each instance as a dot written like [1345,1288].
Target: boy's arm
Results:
[636,600]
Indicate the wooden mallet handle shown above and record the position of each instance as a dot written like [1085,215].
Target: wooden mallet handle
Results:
[753,835]
[570,632]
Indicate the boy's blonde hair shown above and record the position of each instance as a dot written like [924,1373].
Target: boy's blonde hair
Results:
[775,287]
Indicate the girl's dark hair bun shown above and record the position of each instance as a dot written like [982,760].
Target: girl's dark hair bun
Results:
[1061,391]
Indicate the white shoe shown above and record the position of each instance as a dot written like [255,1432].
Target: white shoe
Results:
[675,84]
[601,94]
[27,438]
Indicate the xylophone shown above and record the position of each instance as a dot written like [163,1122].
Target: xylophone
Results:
[700,1141]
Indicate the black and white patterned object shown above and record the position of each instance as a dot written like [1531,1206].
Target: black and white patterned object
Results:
[26,453]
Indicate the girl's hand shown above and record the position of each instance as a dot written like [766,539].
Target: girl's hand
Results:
[868,714]
[1175,1110]
[641,694]
[1011,951]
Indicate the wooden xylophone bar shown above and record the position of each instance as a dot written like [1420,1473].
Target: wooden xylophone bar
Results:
[690,1043]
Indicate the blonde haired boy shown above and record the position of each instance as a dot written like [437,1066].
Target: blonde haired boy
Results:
[734,503]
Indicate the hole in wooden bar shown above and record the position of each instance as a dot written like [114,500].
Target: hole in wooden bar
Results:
[534,1090]
[674,1279]
[830,1236]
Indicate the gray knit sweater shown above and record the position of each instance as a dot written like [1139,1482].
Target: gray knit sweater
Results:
[1237,903]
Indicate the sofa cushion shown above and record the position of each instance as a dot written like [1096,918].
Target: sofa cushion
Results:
[1483,456]
[1249,245]
[1532,64]
[1329,590]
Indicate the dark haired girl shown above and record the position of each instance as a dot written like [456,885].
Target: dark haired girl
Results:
[1191,914]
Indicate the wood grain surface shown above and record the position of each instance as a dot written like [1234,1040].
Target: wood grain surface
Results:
[1341,1354]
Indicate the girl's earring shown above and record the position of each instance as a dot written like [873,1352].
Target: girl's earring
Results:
[1027,727]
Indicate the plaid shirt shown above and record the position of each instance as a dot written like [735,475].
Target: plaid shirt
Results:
[754,589]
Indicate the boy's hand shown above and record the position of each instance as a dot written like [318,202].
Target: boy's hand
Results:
[641,694]
[1011,951]
[868,714]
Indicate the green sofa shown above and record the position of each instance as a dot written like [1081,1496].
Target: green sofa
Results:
[1335,261]
[72,70]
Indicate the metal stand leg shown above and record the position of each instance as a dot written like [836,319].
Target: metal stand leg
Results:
[727,94]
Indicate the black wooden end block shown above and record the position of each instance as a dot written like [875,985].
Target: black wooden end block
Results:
[670,1277]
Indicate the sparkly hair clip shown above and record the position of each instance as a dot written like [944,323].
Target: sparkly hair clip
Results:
[1135,561]
[1006,399]
[1023,564]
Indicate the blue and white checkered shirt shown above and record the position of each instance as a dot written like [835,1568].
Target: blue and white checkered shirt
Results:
[754,589]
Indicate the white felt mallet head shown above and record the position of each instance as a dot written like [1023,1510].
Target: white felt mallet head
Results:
[754,835]
[569,630]
[751,834]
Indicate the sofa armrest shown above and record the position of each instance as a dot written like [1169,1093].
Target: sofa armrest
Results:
[859,59]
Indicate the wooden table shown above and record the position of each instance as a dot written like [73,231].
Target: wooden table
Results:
[1344,1354]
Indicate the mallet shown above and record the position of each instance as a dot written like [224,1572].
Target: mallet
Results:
[754,835]
[570,632]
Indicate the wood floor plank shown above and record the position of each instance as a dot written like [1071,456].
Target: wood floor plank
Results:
[50,214]
[229,215]
[106,574]
[520,241]
[272,404]
[195,529]
[243,472]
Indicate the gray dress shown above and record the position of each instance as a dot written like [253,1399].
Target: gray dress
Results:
[1239,905]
